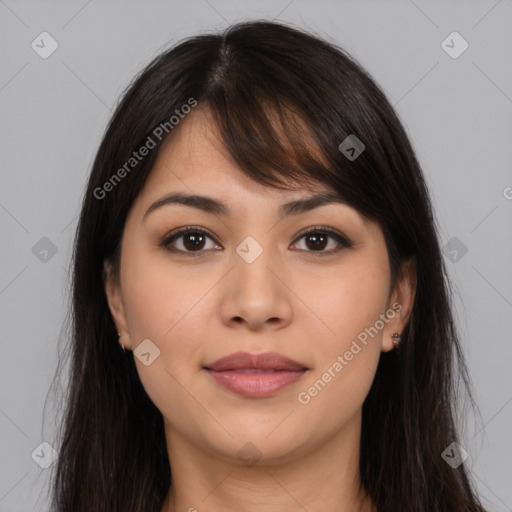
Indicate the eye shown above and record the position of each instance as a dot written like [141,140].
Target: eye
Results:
[317,239]
[193,240]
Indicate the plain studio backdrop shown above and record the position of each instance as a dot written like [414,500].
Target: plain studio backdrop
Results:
[444,65]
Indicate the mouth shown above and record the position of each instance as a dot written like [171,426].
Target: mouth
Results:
[252,370]
[253,383]
[255,375]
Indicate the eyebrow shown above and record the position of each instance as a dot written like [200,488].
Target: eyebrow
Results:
[214,206]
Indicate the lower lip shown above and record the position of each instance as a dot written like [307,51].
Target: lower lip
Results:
[256,385]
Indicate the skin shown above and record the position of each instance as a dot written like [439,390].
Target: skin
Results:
[291,300]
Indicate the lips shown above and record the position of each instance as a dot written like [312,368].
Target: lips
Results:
[255,375]
[246,361]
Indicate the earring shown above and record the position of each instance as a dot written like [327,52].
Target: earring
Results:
[396,339]
[121,345]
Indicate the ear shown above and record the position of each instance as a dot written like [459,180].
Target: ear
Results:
[400,303]
[115,303]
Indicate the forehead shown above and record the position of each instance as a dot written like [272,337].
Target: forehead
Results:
[195,163]
[195,159]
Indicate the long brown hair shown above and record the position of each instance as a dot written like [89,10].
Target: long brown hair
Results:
[112,451]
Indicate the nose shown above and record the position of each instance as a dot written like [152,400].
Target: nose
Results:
[256,296]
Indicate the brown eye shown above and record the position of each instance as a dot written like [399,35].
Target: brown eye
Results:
[193,241]
[317,240]
[188,240]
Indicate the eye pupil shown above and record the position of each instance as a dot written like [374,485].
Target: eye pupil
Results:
[195,239]
[318,240]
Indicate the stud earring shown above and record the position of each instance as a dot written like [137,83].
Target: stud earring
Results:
[396,339]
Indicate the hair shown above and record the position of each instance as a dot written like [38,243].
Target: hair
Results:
[282,101]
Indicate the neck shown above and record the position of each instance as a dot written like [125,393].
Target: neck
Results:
[324,477]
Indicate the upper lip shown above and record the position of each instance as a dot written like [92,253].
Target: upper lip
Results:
[265,361]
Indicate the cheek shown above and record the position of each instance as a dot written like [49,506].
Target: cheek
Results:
[157,297]
[169,308]
[347,358]
[351,298]
[346,355]
[166,308]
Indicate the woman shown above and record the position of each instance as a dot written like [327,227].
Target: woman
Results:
[261,314]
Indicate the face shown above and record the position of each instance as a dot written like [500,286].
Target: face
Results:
[251,280]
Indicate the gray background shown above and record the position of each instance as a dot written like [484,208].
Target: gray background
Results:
[457,111]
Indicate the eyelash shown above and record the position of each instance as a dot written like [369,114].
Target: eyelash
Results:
[344,243]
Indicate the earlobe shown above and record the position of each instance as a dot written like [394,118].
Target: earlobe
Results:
[113,293]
